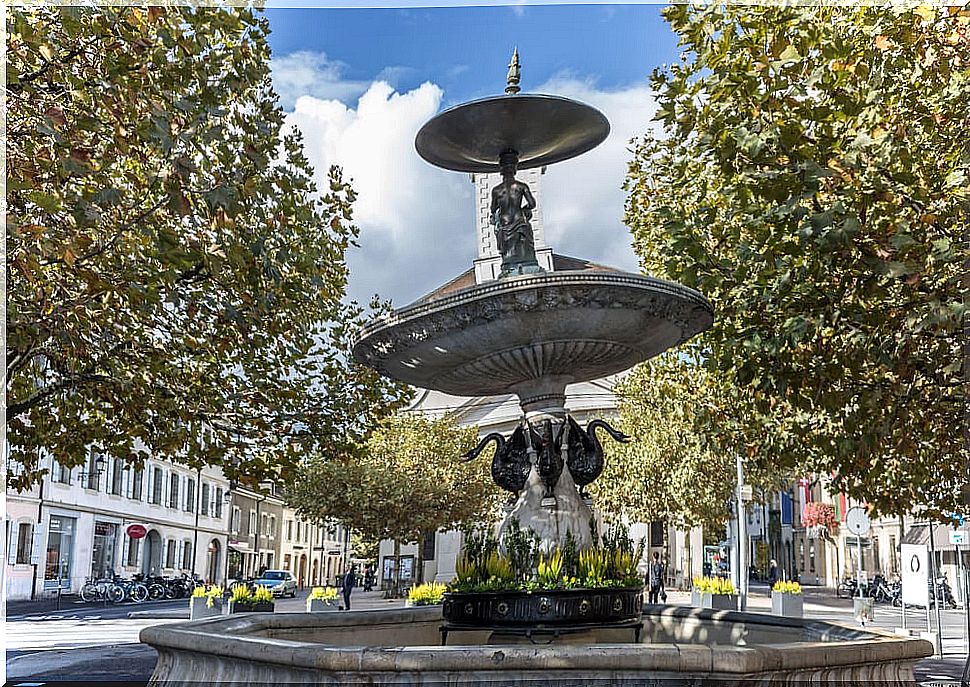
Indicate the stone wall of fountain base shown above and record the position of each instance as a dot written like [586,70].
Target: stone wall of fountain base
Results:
[680,646]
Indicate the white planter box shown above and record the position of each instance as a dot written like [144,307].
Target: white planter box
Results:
[199,608]
[318,605]
[862,609]
[788,605]
[720,602]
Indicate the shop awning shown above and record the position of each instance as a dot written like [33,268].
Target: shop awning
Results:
[240,546]
[920,534]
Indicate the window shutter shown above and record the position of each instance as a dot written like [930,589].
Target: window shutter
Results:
[149,474]
[13,531]
[126,542]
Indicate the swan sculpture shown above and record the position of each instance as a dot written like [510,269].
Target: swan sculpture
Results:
[510,464]
[584,453]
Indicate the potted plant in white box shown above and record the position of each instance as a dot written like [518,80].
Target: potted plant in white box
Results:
[786,599]
[714,592]
[206,601]
[321,599]
[243,600]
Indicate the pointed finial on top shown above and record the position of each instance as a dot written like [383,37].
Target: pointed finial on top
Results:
[513,77]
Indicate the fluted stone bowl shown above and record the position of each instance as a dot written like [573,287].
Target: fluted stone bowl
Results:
[679,646]
[534,334]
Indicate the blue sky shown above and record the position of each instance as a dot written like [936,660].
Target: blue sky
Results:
[465,50]
[360,83]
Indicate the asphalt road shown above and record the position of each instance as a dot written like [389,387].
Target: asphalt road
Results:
[95,643]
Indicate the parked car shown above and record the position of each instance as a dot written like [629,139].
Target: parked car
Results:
[280,582]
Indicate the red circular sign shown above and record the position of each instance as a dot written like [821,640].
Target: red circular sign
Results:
[136,531]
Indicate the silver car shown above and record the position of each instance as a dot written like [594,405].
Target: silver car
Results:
[280,582]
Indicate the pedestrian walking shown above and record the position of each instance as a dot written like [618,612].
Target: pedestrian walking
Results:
[350,579]
[772,572]
[655,580]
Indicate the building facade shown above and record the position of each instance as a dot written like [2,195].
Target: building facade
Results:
[255,520]
[77,523]
[315,554]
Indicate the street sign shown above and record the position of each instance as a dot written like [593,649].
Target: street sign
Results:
[136,531]
[958,537]
[747,492]
[915,574]
[857,521]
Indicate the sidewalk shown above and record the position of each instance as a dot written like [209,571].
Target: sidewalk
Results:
[359,601]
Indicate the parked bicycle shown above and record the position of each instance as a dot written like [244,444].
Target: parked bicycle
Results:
[124,590]
[96,590]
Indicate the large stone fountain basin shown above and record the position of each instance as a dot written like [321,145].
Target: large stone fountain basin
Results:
[543,330]
[679,645]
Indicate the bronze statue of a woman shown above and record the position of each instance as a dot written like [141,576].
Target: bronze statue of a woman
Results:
[513,231]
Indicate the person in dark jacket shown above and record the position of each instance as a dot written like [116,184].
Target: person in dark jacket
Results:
[772,572]
[350,579]
[655,579]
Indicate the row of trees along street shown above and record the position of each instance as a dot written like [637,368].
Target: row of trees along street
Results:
[176,281]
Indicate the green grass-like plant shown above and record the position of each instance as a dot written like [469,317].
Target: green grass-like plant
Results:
[323,594]
[592,566]
[786,587]
[262,595]
[428,594]
[714,585]
[549,571]
[499,568]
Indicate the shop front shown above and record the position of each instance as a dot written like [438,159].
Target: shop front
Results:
[59,561]
[103,549]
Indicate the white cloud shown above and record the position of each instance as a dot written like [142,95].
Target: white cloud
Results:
[584,197]
[417,222]
[312,73]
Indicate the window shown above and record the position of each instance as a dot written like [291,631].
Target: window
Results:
[173,490]
[272,525]
[264,524]
[236,517]
[157,486]
[117,470]
[190,495]
[204,508]
[60,538]
[25,540]
[132,559]
[289,530]
[94,475]
[103,549]
[427,552]
[252,522]
[186,555]
[137,477]
[60,474]
[219,500]
[299,530]
[170,554]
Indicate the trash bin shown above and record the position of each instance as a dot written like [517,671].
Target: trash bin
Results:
[862,609]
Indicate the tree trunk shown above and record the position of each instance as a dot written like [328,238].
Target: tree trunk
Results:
[396,590]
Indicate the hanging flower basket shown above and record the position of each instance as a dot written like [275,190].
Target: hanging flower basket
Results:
[817,514]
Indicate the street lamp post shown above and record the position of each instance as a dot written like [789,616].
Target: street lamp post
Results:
[742,534]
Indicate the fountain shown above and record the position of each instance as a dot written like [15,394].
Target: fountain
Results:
[531,332]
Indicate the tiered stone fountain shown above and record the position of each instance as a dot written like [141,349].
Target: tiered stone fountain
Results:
[529,333]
